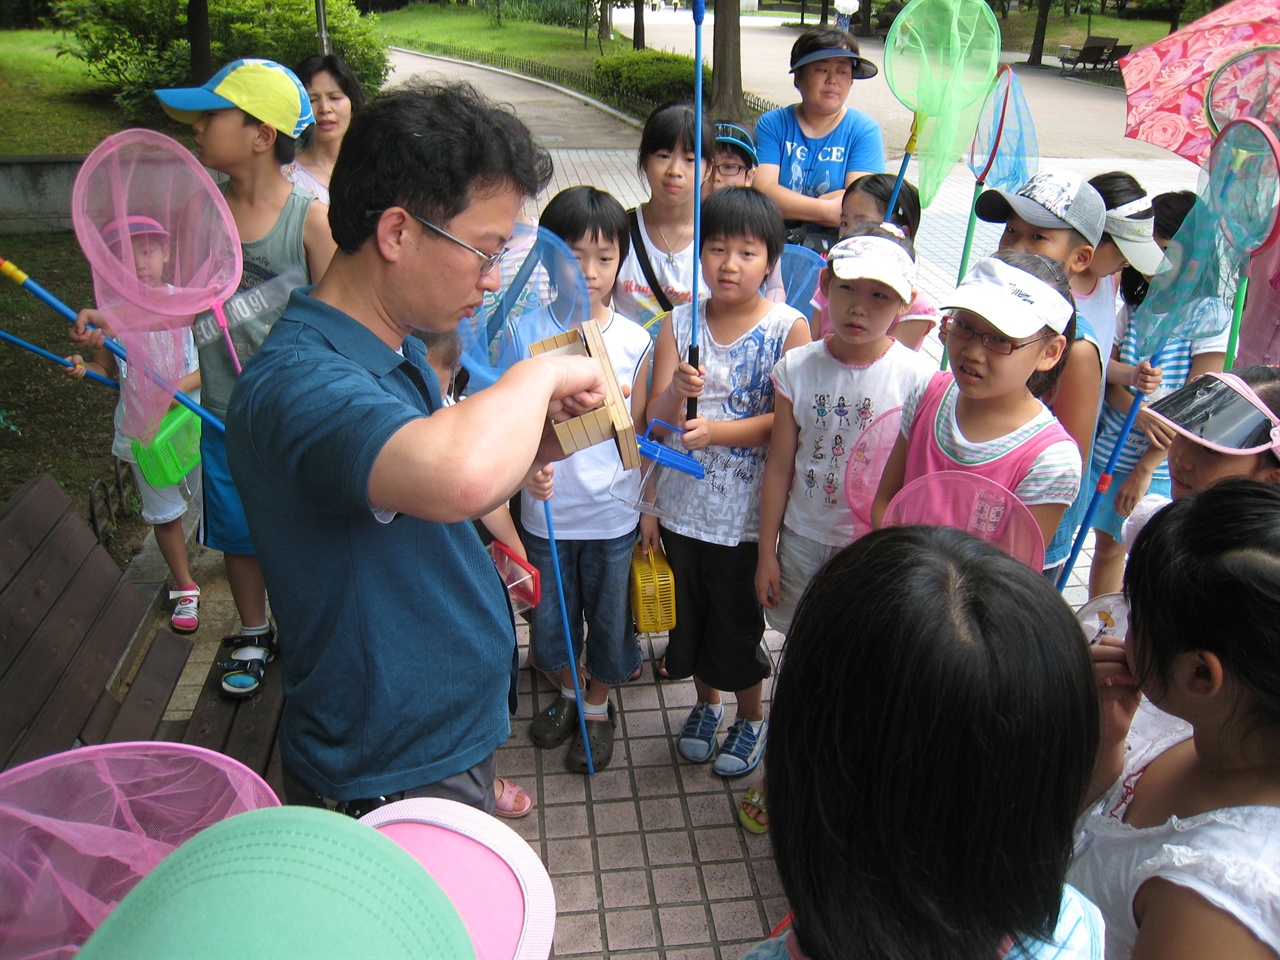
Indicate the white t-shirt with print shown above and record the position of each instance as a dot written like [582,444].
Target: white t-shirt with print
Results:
[724,507]
[833,403]
[633,296]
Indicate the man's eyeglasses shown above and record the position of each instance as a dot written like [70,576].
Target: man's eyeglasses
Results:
[487,260]
[727,170]
[995,342]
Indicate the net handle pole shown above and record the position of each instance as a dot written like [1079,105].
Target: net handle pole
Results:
[968,246]
[568,638]
[1104,482]
[699,14]
[54,358]
[1237,315]
[906,159]
[11,271]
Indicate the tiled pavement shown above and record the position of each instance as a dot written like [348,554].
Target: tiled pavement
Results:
[646,857]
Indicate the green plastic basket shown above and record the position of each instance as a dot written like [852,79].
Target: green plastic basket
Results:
[173,452]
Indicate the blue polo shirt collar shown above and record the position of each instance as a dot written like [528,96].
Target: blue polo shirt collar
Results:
[353,340]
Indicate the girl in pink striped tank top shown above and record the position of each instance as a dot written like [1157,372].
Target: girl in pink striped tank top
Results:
[1007,329]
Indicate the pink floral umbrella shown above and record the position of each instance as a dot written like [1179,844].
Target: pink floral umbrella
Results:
[1166,83]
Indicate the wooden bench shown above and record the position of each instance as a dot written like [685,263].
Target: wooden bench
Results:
[1117,53]
[1092,55]
[72,632]
[69,632]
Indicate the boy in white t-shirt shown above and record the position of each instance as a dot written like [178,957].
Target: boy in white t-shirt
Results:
[595,532]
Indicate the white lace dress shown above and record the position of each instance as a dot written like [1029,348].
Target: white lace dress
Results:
[1231,857]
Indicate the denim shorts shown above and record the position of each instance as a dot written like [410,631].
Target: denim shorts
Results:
[799,559]
[596,579]
[1106,519]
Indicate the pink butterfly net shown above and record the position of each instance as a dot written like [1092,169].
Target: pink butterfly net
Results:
[79,829]
[867,458]
[162,246]
[970,502]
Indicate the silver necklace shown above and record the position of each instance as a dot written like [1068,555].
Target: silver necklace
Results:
[671,253]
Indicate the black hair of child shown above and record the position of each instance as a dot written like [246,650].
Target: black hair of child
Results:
[736,140]
[1204,574]
[742,212]
[286,147]
[585,212]
[1169,210]
[879,187]
[428,147]
[674,127]
[336,67]
[924,670]
[1042,382]
[1265,382]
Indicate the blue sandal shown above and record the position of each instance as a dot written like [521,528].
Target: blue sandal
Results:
[249,657]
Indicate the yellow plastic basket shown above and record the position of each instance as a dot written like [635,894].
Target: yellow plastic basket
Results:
[173,452]
[653,591]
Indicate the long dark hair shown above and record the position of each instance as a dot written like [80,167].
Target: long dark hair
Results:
[934,728]
[1204,574]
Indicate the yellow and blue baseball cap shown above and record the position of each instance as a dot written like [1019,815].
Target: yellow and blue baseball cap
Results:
[263,89]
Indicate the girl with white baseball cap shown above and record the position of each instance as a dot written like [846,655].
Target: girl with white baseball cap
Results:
[1006,329]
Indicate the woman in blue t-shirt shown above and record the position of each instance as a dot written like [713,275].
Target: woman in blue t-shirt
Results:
[811,151]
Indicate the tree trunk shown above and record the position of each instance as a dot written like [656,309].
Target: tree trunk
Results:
[726,62]
[198,36]
[826,12]
[1175,15]
[1036,54]
[606,21]
[637,25]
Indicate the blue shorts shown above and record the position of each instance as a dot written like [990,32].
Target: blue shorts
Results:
[596,580]
[222,521]
[1106,519]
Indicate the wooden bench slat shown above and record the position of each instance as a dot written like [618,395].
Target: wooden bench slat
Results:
[32,592]
[35,672]
[26,519]
[144,705]
[211,720]
[69,707]
[254,731]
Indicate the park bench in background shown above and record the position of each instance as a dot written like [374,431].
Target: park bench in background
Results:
[1092,55]
[1117,52]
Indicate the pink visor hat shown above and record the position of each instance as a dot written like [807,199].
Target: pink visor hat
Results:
[1220,411]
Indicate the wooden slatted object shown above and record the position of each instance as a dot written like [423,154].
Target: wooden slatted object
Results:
[612,419]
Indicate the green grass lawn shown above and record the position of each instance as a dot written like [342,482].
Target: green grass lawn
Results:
[54,107]
[51,105]
[469,27]
[1016,31]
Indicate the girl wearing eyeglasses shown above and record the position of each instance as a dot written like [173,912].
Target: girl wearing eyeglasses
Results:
[1006,329]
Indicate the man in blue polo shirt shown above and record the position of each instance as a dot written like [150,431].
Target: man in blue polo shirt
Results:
[396,635]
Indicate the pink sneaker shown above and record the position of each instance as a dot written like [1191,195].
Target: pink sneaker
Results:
[186,611]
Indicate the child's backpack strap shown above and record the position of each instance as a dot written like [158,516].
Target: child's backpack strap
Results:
[642,257]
